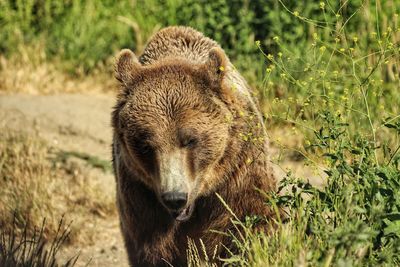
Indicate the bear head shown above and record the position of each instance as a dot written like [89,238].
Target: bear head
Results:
[172,123]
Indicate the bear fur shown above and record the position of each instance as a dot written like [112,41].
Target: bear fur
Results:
[185,116]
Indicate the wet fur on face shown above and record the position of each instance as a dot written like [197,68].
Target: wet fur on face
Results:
[173,127]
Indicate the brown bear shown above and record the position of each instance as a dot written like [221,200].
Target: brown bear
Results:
[186,129]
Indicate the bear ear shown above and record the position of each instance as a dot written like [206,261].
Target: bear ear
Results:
[126,66]
[216,65]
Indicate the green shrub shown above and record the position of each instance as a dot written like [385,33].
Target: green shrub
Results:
[85,33]
[339,94]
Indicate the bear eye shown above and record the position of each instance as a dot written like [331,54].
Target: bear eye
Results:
[143,148]
[189,142]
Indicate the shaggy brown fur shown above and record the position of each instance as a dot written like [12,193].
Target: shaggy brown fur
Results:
[184,100]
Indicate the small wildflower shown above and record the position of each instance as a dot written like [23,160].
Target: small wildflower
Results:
[258,43]
[337,40]
[355,39]
[221,68]
[337,15]
[342,50]
[269,70]
[322,48]
[276,38]
[228,118]
[280,54]
[296,13]
[270,57]
[321,5]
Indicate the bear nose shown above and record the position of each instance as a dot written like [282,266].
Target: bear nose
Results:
[174,200]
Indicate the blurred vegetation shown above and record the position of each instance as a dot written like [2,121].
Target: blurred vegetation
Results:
[38,181]
[84,33]
[305,40]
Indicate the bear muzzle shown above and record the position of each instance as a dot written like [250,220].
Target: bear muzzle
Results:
[177,205]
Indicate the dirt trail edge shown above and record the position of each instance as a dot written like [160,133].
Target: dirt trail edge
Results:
[80,123]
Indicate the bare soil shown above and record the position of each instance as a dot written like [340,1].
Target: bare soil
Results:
[81,122]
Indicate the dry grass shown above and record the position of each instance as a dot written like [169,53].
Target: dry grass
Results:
[35,185]
[30,71]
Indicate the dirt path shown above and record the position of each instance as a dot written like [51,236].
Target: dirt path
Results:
[76,122]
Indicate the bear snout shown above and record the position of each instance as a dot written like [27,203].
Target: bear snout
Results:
[174,200]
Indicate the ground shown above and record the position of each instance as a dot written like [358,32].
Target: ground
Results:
[81,122]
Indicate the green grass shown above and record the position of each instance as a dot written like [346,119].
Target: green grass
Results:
[93,161]
[338,89]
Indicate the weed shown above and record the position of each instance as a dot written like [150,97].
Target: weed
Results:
[21,248]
